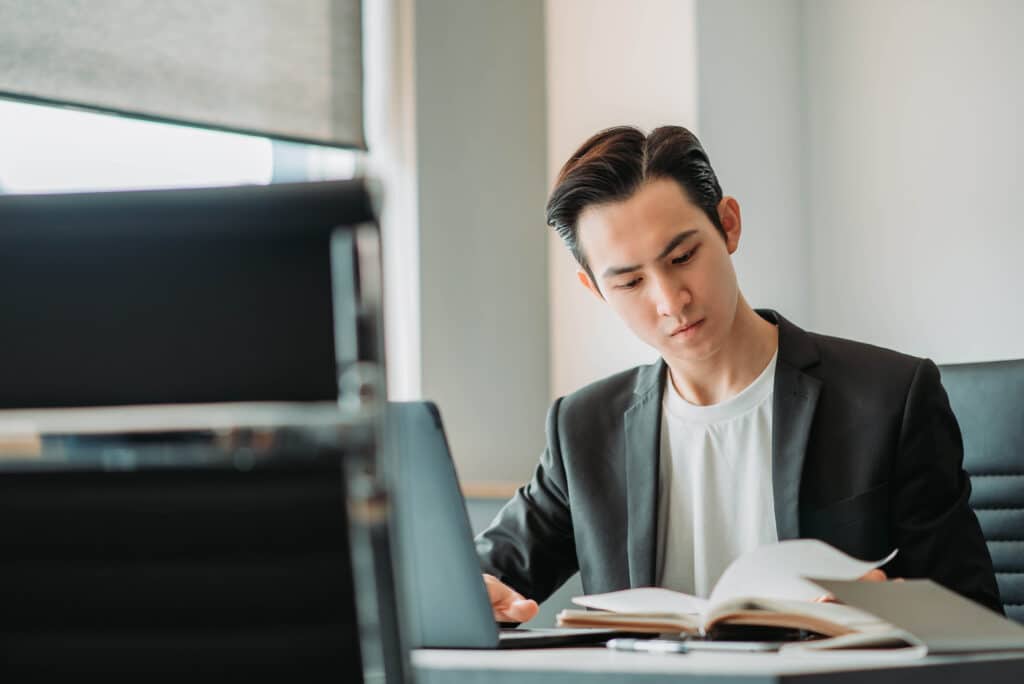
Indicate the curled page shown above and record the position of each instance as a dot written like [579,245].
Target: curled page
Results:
[778,571]
[648,600]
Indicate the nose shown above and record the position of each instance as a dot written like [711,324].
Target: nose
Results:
[670,297]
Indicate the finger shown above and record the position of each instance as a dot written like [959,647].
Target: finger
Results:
[508,604]
[826,598]
[520,610]
[875,575]
[494,586]
[499,592]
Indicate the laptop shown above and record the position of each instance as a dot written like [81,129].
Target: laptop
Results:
[445,600]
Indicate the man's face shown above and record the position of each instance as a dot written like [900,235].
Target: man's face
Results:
[665,269]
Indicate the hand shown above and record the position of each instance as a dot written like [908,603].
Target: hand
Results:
[875,575]
[507,603]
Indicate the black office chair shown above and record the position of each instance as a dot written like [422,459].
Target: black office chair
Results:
[988,400]
[136,558]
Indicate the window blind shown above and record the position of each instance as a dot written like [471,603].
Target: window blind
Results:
[280,68]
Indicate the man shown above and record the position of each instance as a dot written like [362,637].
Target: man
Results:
[747,431]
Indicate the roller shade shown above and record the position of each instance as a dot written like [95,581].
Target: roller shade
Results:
[289,69]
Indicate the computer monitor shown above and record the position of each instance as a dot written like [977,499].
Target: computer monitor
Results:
[181,296]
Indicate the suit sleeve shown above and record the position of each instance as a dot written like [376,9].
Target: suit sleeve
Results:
[935,528]
[529,544]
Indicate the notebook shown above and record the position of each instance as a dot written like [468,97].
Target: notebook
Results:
[445,601]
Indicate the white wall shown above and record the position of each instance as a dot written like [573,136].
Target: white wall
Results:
[915,141]
[874,148]
[750,104]
[609,62]
[390,104]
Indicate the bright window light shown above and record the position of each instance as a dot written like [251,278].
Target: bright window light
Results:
[55,149]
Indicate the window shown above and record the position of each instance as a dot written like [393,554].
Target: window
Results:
[57,149]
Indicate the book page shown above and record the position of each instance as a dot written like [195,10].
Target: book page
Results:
[778,571]
[646,600]
[770,571]
[827,618]
[888,643]
[637,622]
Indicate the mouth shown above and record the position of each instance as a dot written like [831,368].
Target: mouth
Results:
[687,329]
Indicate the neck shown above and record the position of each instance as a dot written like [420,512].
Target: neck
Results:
[731,368]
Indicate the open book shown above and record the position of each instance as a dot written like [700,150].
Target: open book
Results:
[762,588]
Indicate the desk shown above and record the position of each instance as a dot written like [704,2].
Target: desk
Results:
[601,666]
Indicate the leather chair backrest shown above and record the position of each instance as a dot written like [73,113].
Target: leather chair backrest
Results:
[988,400]
[205,572]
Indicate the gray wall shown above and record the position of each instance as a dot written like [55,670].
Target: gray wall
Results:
[914,132]
[481,167]
[875,148]
[750,108]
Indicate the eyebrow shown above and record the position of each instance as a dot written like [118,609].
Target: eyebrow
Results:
[672,244]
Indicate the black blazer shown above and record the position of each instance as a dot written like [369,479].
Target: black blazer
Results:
[866,455]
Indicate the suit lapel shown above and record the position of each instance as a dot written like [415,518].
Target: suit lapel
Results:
[643,444]
[796,397]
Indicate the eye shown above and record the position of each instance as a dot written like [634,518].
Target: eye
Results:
[685,257]
[628,286]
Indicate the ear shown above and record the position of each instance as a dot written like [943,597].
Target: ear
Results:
[732,223]
[586,282]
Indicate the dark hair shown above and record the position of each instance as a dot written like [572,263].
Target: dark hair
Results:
[614,163]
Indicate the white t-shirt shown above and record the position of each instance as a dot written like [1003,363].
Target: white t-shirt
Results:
[715,485]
